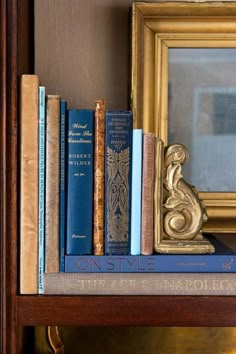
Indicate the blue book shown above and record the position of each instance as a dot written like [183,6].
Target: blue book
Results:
[223,261]
[136,193]
[79,162]
[63,107]
[118,158]
[41,189]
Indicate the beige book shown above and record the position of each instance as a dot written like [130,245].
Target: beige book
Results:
[29,93]
[196,284]
[158,192]
[147,234]
[52,184]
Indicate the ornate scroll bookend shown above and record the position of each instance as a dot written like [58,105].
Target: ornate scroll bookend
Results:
[183,211]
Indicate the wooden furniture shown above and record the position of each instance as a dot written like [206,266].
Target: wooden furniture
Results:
[19,311]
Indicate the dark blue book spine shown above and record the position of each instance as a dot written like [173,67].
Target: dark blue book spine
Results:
[79,160]
[118,159]
[151,264]
[62,186]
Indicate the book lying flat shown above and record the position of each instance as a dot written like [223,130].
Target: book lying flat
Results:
[223,261]
[211,284]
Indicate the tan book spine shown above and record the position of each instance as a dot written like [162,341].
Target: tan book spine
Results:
[210,284]
[147,234]
[29,120]
[158,192]
[52,184]
[98,223]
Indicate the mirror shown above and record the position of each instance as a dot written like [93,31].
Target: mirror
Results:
[202,114]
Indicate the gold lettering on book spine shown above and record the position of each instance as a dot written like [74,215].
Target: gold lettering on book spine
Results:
[184,211]
[98,224]
[118,195]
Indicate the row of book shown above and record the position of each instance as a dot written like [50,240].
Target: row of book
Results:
[78,170]
[87,205]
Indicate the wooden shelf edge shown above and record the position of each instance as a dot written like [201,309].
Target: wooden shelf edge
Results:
[195,311]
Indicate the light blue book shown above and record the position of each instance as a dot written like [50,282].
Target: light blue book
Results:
[136,195]
[41,186]
[62,186]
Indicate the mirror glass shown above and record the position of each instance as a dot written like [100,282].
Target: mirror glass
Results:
[202,114]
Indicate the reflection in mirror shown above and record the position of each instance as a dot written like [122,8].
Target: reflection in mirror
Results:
[202,114]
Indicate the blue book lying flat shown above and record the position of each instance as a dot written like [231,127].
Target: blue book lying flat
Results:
[224,260]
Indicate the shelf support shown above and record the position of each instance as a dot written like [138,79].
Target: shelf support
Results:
[55,340]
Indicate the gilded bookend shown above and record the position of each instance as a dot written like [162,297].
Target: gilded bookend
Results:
[99,148]
[183,211]
[118,149]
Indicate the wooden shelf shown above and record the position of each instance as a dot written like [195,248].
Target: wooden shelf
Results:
[126,310]
[17,57]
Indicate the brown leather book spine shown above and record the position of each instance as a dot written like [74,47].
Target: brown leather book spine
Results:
[29,184]
[98,224]
[52,184]
[147,194]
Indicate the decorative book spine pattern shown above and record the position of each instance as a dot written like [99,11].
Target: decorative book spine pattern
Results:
[41,186]
[118,152]
[136,195]
[98,223]
[52,184]
[62,186]
[29,121]
[80,145]
[147,194]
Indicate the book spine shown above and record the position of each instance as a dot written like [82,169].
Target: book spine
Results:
[158,192]
[136,193]
[41,186]
[118,153]
[52,183]
[98,221]
[147,194]
[62,185]
[151,264]
[195,284]
[80,145]
[29,203]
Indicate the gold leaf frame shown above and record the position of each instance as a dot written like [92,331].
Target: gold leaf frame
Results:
[156,27]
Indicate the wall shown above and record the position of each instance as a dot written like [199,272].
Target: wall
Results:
[90,59]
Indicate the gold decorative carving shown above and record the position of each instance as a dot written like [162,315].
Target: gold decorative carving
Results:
[55,340]
[184,213]
[118,189]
